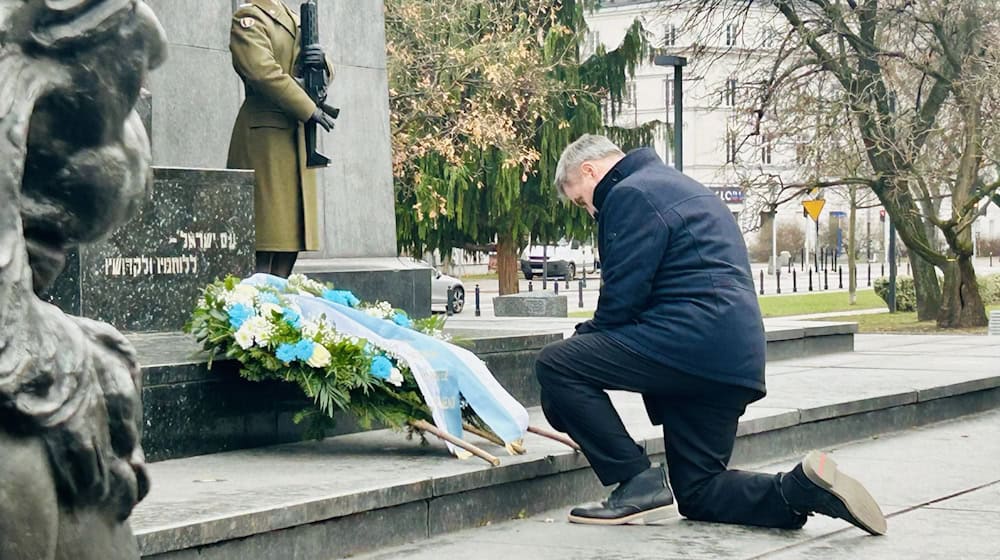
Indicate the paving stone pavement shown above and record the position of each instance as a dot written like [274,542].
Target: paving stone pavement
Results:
[939,485]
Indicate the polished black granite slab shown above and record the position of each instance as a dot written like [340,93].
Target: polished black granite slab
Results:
[198,225]
[190,409]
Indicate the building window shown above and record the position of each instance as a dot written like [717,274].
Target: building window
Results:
[731,155]
[669,35]
[730,35]
[801,153]
[729,97]
[765,153]
[591,42]
[630,97]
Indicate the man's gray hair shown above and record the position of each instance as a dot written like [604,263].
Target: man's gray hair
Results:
[589,147]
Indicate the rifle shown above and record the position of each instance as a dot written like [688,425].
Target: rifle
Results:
[314,82]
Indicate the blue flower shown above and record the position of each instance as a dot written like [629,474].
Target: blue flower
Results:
[402,320]
[381,367]
[291,317]
[268,297]
[343,297]
[239,313]
[277,283]
[286,352]
[304,349]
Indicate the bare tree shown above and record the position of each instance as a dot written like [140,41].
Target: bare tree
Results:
[895,96]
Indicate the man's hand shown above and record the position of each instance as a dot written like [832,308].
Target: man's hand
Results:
[321,118]
[312,56]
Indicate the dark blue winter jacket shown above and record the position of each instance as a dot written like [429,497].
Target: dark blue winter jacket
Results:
[676,280]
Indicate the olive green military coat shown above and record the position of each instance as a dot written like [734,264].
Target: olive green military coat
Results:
[268,134]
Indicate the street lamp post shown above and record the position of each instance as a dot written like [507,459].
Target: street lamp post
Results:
[678,62]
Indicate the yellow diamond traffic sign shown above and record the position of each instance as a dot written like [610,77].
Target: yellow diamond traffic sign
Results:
[814,207]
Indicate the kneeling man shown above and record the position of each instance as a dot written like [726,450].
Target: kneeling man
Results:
[677,321]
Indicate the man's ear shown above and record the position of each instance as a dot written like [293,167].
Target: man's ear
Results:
[587,168]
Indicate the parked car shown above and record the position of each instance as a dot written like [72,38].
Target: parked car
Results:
[565,259]
[440,283]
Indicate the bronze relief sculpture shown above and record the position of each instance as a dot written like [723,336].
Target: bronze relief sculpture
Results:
[74,165]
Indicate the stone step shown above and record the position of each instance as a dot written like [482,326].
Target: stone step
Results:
[192,410]
[359,492]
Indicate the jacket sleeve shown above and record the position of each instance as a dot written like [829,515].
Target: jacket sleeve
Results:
[636,239]
[253,59]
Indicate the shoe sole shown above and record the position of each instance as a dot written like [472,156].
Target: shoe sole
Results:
[642,517]
[822,470]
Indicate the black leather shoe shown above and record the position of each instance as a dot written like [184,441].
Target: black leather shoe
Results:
[815,485]
[642,499]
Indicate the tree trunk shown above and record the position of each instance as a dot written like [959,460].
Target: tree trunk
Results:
[852,265]
[507,264]
[962,306]
[902,210]
[927,288]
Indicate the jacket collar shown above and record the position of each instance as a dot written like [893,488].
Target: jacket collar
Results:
[279,13]
[632,162]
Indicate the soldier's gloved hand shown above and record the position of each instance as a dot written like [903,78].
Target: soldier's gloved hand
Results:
[322,119]
[312,56]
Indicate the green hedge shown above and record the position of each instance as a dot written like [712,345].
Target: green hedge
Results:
[906,296]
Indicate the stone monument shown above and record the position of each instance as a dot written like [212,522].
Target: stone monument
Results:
[356,198]
[74,164]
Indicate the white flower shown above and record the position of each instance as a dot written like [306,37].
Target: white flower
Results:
[302,284]
[244,337]
[242,293]
[320,357]
[310,329]
[260,328]
[266,309]
[396,377]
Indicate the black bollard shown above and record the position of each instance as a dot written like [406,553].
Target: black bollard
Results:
[479,312]
[795,282]
[777,277]
[840,278]
[530,287]
[580,291]
[555,285]
[810,280]
[826,279]
[567,281]
[584,277]
[882,274]
[449,306]
[762,282]
[869,275]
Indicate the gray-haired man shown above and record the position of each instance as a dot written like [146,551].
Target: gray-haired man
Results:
[677,321]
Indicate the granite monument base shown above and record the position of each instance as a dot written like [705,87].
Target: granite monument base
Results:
[197,226]
[189,409]
[531,304]
[403,282]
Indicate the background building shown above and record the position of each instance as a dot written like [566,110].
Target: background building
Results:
[717,149]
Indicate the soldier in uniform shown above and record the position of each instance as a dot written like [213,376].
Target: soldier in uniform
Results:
[268,134]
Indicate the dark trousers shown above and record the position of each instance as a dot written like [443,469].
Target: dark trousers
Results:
[699,419]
